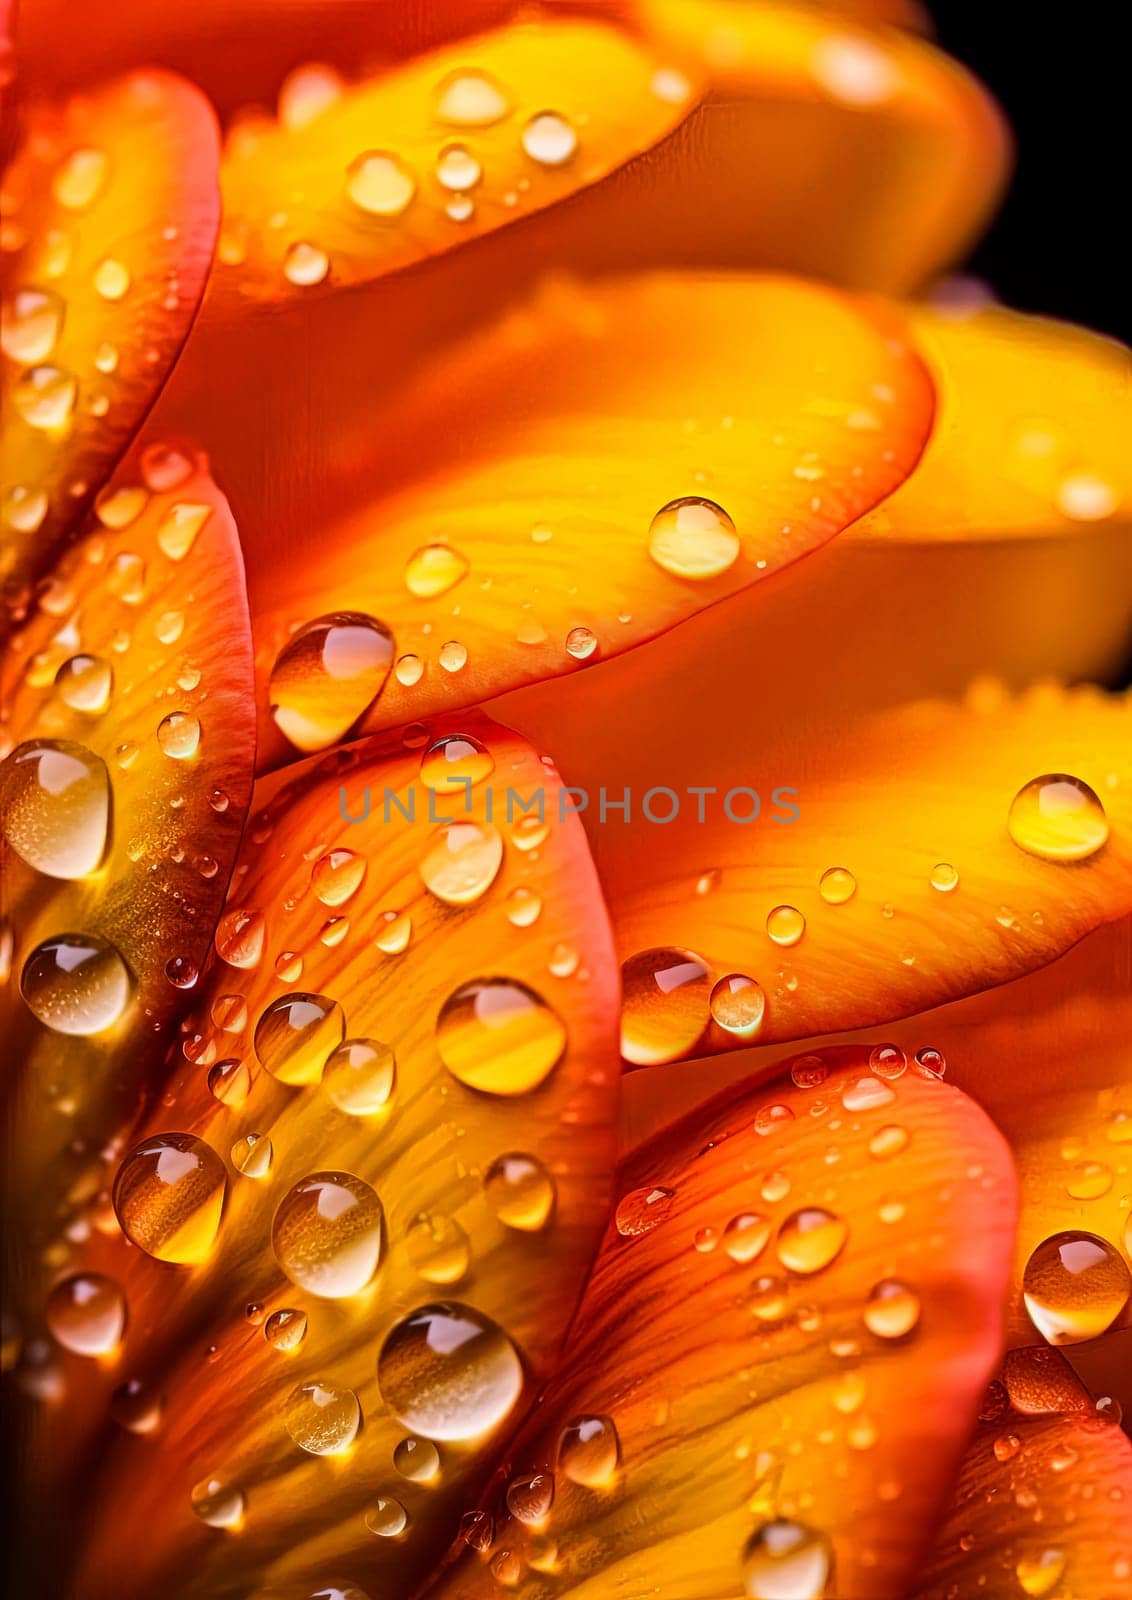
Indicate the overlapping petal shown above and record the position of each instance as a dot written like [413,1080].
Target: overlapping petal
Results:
[597,468]
[110,216]
[733,1412]
[402,1065]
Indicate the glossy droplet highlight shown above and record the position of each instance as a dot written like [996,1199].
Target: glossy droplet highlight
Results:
[323,1418]
[449,1373]
[296,1034]
[169,1196]
[665,1005]
[892,1309]
[239,938]
[359,1076]
[433,570]
[380,184]
[738,1005]
[498,1036]
[1075,1285]
[86,1313]
[693,539]
[746,1236]
[520,1191]
[76,984]
[327,675]
[549,139]
[462,862]
[810,1239]
[785,1560]
[1058,818]
[56,802]
[252,1155]
[457,169]
[327,1234]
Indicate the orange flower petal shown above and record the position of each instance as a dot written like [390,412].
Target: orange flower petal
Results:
[897,885]
[470,968]
[1041,1509]
[111,212]
[129,749]
[783,1269]
[906,150]
[434,153]
[699,437]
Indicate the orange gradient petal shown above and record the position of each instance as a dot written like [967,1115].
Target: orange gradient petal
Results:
[1041,1508]
[469,967]
[857,870]
[434,153]
[129,746]
[599,467]
[785,1266]
[110,216]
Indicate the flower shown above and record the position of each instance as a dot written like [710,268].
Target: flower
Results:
[701,1172]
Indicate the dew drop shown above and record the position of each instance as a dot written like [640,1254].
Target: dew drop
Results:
[178,734]
[642,1210]
[549,139]
[111,279]
[1089,1180]
[471,99]
[24,508]
[81,178]
[520,1191]
[1040,1572]
[178,529]
[665,1005]
[433,570]
[380,184]
[30,325]
[359,1076]
[869,1093]
[746,1236]
[86,1313]
[1058,818]
[305,264]
[295,1035]
[888,1141]
[455,761]
[892,1309]
[498,1036]
[229,1082]
[944,877]
[449,1373]
[218,1504]
[810,1239]
[457,169]
[837,885]
[462,862]
[438,1249]
[395,929]
[785,1560]
[327,1234]
[693,538]
[252,1155]
[169,1195]
[45,397]
[327,675]
[738,1005]
[323,1418]
[337,876]
[930,1062]
[1074,1286]
[136,1407]
[387,1518]
[306,93]
[785,925]
[581,643]
[56,802]
[285,1329]
[523,907]
[76,983]
[239,937]
[453,656]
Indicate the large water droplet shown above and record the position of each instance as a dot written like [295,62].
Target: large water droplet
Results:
[85,683]
[327,675]
[549,139]
[327,1234]
[520,1191]
[449,1373]
[738,1005]
[323,1418]
[810,1239]
[665,1005]
[455,761]
[169,1195]
[1058,818]
[589,1451]
[785,1560]
[693,538]
[86,1313]
[76,984]
[498,1036]
[295,1035]
[462,862]
[417,1459]
[1074,1287]
[56,800]
[380,184]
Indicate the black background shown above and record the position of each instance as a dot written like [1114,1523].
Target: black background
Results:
[1062,78]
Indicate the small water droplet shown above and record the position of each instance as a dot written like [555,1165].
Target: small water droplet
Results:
[417,1459]
[387,1518]
[239,938]
[471,99]
[86,1313]
[359,1076]
[380,184]
[453,656]
[1040,1572]
[449,1373]
[642,1210]
[785,925]
[76,983]
[285,1329]
[337,876]
[944,877]
[111,279]
[519,1191]
[218,1504]
[746,1236]
[1074,1286]
[457,169]
[837,885]
[305,264]
[438,1249]
[169,1195]
[810,1239]
[323,1418]
[455,761]
[306,93]
[30,325]
[1089,1180]
[56,803]
[24,508]
[589,1451]
[1058,818]
[892,1309]
[295,1035]
[327,1234]
[930,1062]
[693,538]
[229,1082]
[462,862]
[179,735]
[178,529]
[45,397]
[252,1155]
[81,178]
[581,643]
[498,1036]
[433,570]
[738,1005]
[523,907]
[549,139]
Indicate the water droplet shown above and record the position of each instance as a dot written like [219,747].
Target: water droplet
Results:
[80,179]
[86,1313]
[462,862]
[295,1035]
[179,735]
[888,1141]
[455,761]
[768,1298]
[549,139]
[471,99]
[530,1498]
[892,1309]
[642,1210]
[45,397]
[229,1082]
[359,1076]
[285,1329]
[327,675]
[738,1005]
[449,1373]
[169,1195]
[887,1061]
[327,1234]
[136,1407]
[323,1418]
[769,1118]
[433,570]
[1089,1180]
[498,1036]
[30,325]
[930,1062]
[785,925]
[746,1236]
[380,184]
[1085,497]
[810,1239]
[76,983]
[523,907]
[785,1560]
[457,169]
[589,1451]
[837,885]
[164,467]
[1074,1287]
[1040,1573]
[178,529]
[417,1459]
[867,1094]
[305,265]
[306,93]
[252,1155]
[519,1191]
[693,538]
[409,670]
[665,1005]
[809,1072]
[56,800]
[438,1249]
[387,1519]
[218,1504]
[453,656]
[24,508]
[775,1187]
[944,877]
[111,279]
[395,929]
[337,876]
[239,938]
[1058,818]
